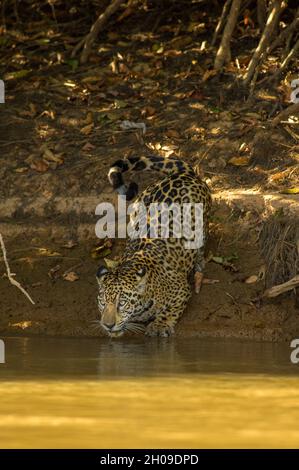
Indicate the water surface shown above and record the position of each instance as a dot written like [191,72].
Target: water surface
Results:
[147,393]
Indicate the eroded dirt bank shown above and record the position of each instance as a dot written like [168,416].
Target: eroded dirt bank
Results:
[47,258]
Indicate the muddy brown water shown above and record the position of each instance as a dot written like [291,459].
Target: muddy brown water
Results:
[59,392]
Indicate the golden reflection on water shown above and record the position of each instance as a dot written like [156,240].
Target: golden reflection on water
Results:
[184,410]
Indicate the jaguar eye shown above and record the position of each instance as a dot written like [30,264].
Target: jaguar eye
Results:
[122,303]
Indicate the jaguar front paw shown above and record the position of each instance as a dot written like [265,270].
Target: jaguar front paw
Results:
[159,329]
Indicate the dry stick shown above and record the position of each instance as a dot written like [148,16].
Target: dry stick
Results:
[11,275]
[254,79]
[293,109]
[265,39]
[286,61]
[77,48]
[285,33]
[96,28]
[223,54]
[281,288]
[287,46]
[221,21]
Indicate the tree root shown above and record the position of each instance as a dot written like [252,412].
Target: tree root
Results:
[11,275]
[266,37]
[223,54]
[98,26]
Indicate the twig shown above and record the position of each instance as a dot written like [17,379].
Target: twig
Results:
[287,46]
[11,275]
[77,48]
[96,28]
[281,288]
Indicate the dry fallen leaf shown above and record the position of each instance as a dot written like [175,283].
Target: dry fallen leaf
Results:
[172,134]
[49,157]
[239,161]
[210,281]
[180,42]
[278,176]
[88,120]
[148,111]
[102,249]
[53,273]
[88,147]
[69,244]
[36,284]
[39,165]
[47,252]
[208,74]
[290,191]
[215,131]
[251,279]
[70,276]
[86,130]
[92,78]
[22,169]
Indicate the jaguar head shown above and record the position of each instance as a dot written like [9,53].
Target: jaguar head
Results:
[121,297]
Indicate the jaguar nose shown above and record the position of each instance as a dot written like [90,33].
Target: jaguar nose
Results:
[109,325]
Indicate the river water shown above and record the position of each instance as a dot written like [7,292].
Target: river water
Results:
[147,394]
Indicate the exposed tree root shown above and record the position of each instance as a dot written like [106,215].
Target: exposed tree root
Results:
[11,275]
[266,37]
[98,26]
[223,54]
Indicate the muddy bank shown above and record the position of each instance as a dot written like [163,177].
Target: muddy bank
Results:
[43,256]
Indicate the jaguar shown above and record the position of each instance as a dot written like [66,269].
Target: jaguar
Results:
[148,290]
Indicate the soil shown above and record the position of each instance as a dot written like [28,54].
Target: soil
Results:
[229,308]
[59,132]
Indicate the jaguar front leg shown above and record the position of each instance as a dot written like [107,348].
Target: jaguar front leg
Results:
[165,321]
[160,327]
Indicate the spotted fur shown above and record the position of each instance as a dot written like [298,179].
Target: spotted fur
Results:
[151,285]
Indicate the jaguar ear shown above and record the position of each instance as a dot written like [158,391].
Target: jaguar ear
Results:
[101,271]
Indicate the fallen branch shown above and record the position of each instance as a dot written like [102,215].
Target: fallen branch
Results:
[223,54]
[98,26]
[260,51]
[281,288]
[289,111]
[11,275]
